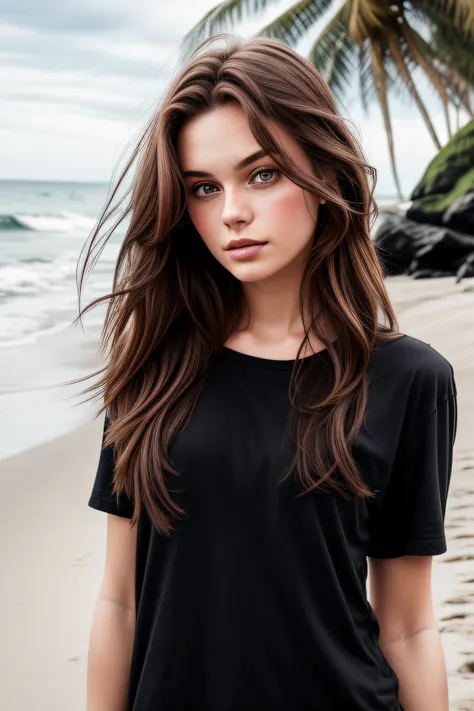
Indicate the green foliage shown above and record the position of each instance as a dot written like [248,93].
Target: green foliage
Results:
[450,173]
[440,202]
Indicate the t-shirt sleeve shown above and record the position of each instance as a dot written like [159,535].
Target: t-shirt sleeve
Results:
[101,497]
[410,519]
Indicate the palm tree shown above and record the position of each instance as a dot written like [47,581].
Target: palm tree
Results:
[380,41]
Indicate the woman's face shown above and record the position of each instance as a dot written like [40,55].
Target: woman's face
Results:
[256,202]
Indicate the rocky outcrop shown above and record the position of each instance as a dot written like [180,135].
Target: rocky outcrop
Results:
[436,235]
[408,247]
[448,178]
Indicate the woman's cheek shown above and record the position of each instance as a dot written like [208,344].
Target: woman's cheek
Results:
[202,223]
[287,206]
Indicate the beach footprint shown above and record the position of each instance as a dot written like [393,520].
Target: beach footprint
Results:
[80,562]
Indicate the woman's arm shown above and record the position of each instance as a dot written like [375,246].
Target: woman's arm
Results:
[113,623]
[401,597]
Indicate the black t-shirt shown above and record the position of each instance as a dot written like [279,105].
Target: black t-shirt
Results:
[258,600]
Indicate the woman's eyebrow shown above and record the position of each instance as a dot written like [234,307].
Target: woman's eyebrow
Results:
[240,165]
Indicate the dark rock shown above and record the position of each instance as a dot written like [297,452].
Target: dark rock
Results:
[423,251]
[466,268]
[427,211]
[436,236]
[460,215]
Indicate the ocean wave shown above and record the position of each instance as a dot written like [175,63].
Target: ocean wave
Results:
[63,221]
[35,276]
[33,260]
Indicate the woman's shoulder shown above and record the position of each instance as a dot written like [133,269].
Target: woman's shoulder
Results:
[411,352]
[415,365]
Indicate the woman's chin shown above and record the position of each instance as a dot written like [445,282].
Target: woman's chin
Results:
[249,273]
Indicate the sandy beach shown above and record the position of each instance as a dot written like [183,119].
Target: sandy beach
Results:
[53,545]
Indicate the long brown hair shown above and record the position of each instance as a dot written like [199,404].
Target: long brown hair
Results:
[173,305]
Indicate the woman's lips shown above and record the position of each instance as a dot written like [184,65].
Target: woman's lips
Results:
[244,252]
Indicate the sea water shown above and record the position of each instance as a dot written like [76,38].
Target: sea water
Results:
[44,230]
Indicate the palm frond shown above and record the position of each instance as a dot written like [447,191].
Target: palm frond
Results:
[295,22]
[454,51]
[366,77]
[406,76]
[422,53]
[329,41]
[463,14]
[458,14]
[458,87]
[449,89]
[379,72]
[416,57]
[443,63]
[227,14]
[341,69]
[367,18]
[451,32]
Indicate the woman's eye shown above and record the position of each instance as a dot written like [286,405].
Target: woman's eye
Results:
[266,170]
[198,187]
[271,171]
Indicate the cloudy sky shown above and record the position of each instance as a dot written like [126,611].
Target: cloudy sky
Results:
[80,78]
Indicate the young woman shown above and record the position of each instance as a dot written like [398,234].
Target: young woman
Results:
[267,428]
